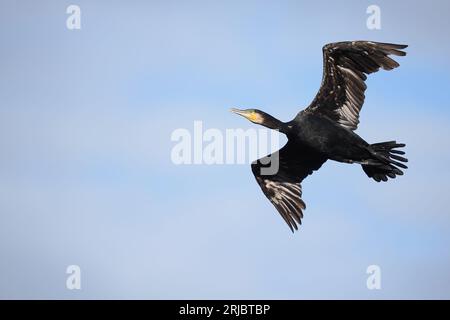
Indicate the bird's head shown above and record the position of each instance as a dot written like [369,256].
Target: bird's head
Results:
[254,115]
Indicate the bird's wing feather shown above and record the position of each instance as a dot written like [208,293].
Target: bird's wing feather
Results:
[283,188]
[345,65]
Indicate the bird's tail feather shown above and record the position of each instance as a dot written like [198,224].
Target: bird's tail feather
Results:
[386,161]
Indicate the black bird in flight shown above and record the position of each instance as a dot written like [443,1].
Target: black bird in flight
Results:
[325,129]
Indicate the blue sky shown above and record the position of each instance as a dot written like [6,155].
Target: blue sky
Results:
[86,176]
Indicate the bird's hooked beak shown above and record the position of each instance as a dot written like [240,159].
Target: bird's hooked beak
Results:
[243,113]
[248,114]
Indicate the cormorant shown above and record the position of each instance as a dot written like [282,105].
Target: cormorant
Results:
[325,129]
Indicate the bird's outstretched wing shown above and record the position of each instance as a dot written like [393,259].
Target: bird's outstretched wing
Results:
[294,163]
[345,65]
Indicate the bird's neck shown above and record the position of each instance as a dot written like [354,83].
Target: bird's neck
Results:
[273,123]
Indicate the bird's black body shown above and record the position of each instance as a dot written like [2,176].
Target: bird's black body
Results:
[325,129]
[328,138]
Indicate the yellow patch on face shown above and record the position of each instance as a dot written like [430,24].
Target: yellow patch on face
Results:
[254,117]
